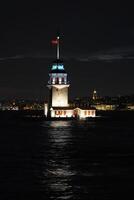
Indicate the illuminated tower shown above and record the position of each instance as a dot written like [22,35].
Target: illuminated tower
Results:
[57,106]
[58,83]
[94,97]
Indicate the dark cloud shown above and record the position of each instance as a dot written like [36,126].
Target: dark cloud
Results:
[110,55]
[107,56]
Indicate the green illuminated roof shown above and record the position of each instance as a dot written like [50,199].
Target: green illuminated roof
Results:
[57,67]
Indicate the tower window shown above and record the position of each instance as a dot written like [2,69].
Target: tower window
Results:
[62,80]
[59,80]
[53,81]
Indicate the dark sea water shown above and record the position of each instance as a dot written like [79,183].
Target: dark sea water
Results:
[82,160]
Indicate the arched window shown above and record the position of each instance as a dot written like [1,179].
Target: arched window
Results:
[85,112]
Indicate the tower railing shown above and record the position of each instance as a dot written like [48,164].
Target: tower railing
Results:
[58,83]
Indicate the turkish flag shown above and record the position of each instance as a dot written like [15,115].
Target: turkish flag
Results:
[56,41]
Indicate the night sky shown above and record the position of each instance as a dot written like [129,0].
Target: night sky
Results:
[97,46]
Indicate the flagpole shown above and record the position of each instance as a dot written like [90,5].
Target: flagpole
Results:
[58,47]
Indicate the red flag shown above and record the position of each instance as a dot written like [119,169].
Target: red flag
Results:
[55,41]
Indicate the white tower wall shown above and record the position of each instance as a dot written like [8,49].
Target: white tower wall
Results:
[60,96]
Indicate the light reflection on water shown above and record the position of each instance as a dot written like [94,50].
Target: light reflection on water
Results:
[71,171]
[60,124]
[58,171]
